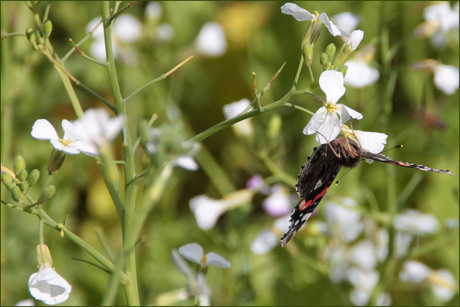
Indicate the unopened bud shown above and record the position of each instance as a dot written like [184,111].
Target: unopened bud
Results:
[16,194]
[33,177]
[19,164]
[330,50]
[324,59]
[47,194]
[308,53]
[47,28]
[23,185]
[56,160]
[274,126]
[343,69]
[44,256]
[6,178]
[23,175]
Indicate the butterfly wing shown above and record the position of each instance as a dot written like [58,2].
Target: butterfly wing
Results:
[315,178]
[382,158]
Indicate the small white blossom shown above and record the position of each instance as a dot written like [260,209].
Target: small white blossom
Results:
[346,21]
[301,14]
[208,210]
[26,302]
[233,109]
[97,128]
[343,222]
[414,272]
[211,40]
[194,252]
[446,78]
[355,39]
[278,203]
[264,242]
[48,286]
[153,10]
[126,29]
[360,74]
[416,223]
[373,142]
[70,144]
[326,122]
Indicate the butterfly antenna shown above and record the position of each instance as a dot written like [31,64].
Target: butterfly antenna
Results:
[329,144]
[337,182]
[394,147]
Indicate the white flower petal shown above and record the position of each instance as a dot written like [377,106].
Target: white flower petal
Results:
[192,252]
[153,10]
[443,284]
[346,113]
[43,130]
[68,149]
[355,39]
[49,287]
[277,204]
[211,40]
[316,121]
[187,163]
[26,302]
[127,28]
[343,222]
[446,78]
[330,129]
[360,74]
[206,210]
[416,223]
[371,141]
[264,242]
[414,272]
[331,82]
[333,29]
[217,260]
[346,21]
[296,11]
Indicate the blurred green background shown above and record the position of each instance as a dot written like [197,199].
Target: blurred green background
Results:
[259,40]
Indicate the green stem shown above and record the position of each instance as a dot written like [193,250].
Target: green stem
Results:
[129,216]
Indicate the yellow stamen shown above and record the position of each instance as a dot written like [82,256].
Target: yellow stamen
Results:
[331,108]
[65,142]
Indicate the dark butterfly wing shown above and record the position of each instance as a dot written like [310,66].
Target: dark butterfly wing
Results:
[382,158]
[315,178]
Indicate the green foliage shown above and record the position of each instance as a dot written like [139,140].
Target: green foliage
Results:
[403,103]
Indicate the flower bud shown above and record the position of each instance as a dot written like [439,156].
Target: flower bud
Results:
[47,194]
[274,126]
[55,162]
[6,178]
[19,164]
[44,256]
[330,50]
[16,194]
[33,177]
[307,50]
[47,28]
[324,59]
[23,175]
[343,69]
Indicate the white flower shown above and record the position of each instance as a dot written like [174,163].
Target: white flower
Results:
[211,40]
[194,252]
[97,128]
[233,109]
[364,282]
[343,222]
[346,21]
[446,78]
[301,14]
[441,282]
[48,286]
[325,122]
[153,10]
[26,302]
[264,242]
[187,162]
[126,29]
[208,210]
[267,239]
[414,272]
[69,144]
[164,32]
[278,203]
[360,74]
[416,223]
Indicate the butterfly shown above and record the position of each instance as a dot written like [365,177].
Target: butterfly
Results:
[320,170]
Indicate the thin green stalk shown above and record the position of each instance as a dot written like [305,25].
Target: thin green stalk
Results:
[131,287]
